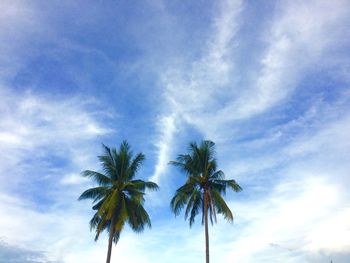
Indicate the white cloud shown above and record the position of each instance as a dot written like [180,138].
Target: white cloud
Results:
[35,126]
[195,88]
[300,197]
[36,129]
[305,192]
[301,180]
[167,127]
[292,217]
[20,25]
[300,38]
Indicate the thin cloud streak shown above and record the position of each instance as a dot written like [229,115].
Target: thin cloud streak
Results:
[296,44]
[46,127]
[294,168]
[188,93]
[167,127]
[306,209]
[299,39]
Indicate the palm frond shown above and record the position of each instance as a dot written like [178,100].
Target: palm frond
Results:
[108,162]
[113,204]
[94,221]
[116,237]
[123,161]
[231,184]
[196,207]
[218,186]
[103,224]
[120,215]
[99,203]
[94,193]
[151,186]
[217,175]
[99,223]
[141,185]
[99,178]
[192,200]
[185,163]
[137,216]
[179,200]
[221,206]
[135,165]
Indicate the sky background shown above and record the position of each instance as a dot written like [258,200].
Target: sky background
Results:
[268,81]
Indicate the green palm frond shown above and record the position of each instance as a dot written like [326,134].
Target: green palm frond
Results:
[179,201]
[121,215]
[99,178]
[194,200]
[97,205]
[113,204]
[151,186]
[196,208]
[141,185]
[94,221]
[138,217]
[116,237]
[221,206]
[217,175]
[184,163]
[95,193]
[231,184]
[135,165]
[123,160]
[103,224]
[217,186]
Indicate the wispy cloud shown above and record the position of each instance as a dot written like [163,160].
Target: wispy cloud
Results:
[281,126]
[45,142]
[298,170]
[193,88]
[304,206]
[167,127]
[14,254]
[33,127]
[301,37]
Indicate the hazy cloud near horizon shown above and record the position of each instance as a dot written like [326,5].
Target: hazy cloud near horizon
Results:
[13,254]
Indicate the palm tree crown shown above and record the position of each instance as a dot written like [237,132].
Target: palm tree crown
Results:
[118,198]
[205,186]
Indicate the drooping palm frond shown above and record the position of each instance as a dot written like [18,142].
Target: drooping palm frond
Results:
[95,193]
[221,206]
[229,183]
[185,163]
[194,205]
[138,217]
[99,178]
[179,201]
[142,185]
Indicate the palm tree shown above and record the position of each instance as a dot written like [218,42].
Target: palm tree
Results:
[118,198]
[204,188]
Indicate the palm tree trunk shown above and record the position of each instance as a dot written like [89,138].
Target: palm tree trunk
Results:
[110,241]
[206,227]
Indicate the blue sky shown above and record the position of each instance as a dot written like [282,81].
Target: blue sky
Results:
[268,81]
